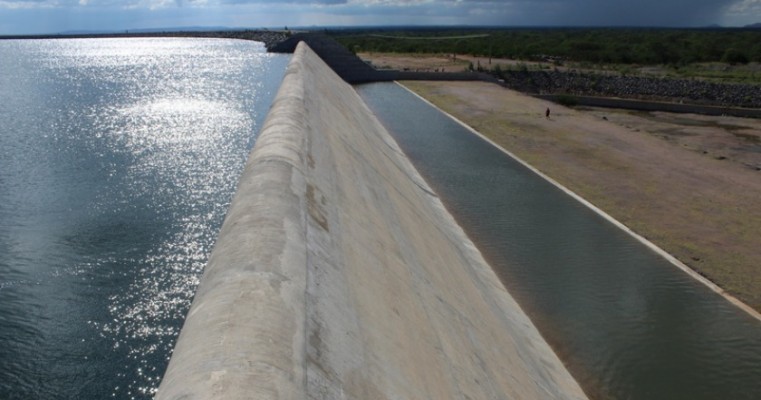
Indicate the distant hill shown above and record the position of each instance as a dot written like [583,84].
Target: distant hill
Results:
[757,25]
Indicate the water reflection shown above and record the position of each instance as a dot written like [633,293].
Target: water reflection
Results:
[119,158]
[628,324]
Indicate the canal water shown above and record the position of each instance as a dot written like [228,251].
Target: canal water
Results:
[118,160]
[627,323]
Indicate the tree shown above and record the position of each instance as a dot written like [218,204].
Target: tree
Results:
[734,56]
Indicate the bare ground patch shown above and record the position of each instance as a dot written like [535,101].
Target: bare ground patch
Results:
[416,62]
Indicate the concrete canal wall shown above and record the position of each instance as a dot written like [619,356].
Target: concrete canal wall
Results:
[338,274]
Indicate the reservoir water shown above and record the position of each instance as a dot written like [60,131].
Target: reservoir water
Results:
[627,324]
[118,159]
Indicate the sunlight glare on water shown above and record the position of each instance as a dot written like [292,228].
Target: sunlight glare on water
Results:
[119,159]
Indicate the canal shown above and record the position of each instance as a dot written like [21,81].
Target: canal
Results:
[627,323]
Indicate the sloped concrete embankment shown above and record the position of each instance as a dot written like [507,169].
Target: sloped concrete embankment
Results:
[338,274]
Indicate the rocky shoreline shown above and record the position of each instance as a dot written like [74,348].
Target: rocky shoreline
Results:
[689,91]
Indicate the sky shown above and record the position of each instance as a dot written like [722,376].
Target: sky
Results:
[57,16]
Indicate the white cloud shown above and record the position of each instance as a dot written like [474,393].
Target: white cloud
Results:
[28,4]
[745,7]
[742,12]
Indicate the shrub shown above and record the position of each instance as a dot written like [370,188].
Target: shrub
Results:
[734,56]
[567,100]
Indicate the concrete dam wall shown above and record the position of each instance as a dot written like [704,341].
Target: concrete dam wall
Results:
[338,274]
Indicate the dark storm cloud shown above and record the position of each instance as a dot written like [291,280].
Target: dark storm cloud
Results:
[32,16]
[613,12]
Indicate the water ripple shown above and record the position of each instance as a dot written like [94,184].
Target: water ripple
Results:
[628,324]
[119,158]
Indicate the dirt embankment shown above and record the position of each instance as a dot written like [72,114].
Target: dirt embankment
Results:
[688,183]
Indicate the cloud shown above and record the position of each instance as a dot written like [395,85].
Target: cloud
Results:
[602,12]
[52,15]
[745,7]
[271,2]
[27,4]
[647,12]
[150,4]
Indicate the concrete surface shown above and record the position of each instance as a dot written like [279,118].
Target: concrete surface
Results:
[353,70]
[338,274]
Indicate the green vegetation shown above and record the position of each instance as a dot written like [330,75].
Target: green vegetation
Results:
[592,45]
[567,100]
[715,54]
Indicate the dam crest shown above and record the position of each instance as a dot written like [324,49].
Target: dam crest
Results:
[339,274]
